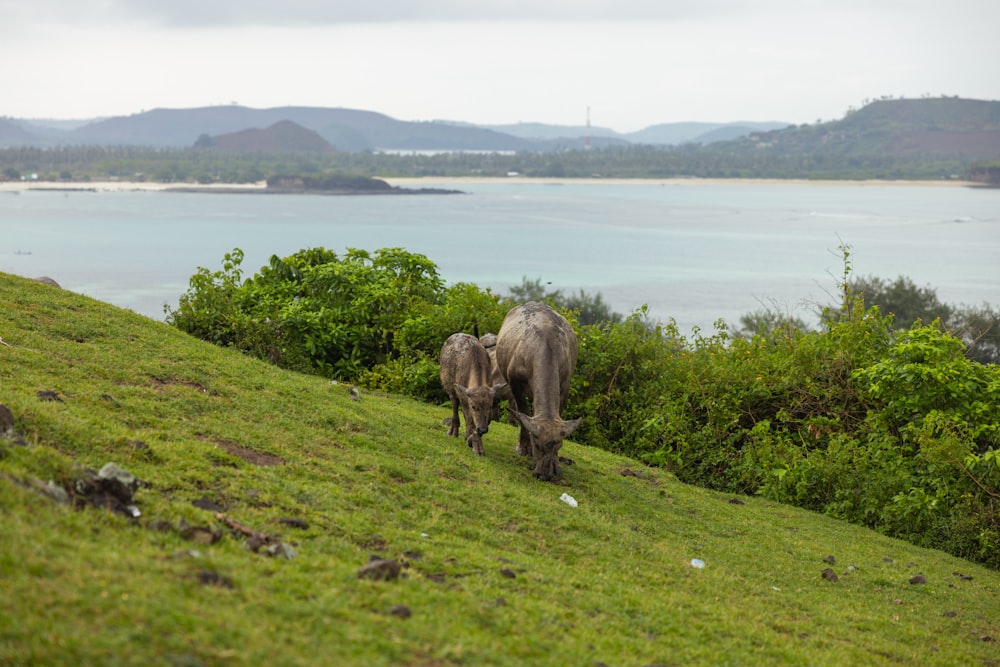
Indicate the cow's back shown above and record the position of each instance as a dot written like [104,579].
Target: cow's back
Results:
[537,348]
[465,361]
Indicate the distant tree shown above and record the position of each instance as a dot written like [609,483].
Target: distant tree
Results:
[766,322]
[591,309]
[902,299]
[979,328]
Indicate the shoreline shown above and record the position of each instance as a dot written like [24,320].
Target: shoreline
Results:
[522,180]
[260,187]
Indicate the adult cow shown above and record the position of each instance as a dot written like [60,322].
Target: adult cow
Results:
[536,354]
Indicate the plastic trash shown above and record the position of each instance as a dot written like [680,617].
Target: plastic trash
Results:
[698,563]
[568,499]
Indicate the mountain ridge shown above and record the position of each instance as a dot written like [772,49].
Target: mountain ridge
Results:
[345,129]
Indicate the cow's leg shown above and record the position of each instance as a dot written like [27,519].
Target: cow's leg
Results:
[453,427]
[470,425]
[475,441]
[519,390]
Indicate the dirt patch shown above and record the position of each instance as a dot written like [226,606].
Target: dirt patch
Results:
[159,382]
[245,453]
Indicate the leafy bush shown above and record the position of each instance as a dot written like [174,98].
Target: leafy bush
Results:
[330,315]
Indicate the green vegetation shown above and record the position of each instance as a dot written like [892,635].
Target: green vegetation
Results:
[497,570]
[892,428]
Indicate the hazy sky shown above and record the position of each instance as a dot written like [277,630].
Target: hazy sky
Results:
[634,63]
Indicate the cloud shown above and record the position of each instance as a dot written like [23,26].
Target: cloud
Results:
[217,13]
[632,62]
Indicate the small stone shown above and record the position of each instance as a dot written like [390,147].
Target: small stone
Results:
[198,534]
[206,503]
[6,421]
[829,559]
[380,569]
[160,525]
[209,578]
[830,575]
[280,549]
[918,579]
[401,610]
[49,395]
[507,572]
[950,614]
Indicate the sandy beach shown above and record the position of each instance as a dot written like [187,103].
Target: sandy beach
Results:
[148,186]
[114,186]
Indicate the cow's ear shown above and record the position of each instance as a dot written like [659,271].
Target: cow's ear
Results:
[499,387]
[525,421]
[570,426]
[460,389]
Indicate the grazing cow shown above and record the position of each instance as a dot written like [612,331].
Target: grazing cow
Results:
[466,376]
[536,355]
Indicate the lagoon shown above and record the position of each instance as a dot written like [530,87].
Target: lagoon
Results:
[692,251]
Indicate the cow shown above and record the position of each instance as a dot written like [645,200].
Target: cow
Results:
[467,378]
[536,354]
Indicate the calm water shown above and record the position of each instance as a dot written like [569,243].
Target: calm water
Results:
[694,252]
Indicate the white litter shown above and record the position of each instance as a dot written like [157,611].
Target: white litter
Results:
[698,563]
[568,499]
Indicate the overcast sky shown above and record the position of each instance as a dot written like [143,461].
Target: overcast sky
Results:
[633,63]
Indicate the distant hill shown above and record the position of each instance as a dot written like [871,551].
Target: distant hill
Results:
[344,129]
[348,130]
[13,133]
[545,131]
[282,137]
[671,134]
[667,134]
[887,138]
[968,130]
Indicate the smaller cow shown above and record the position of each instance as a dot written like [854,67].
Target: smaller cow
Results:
[467,377]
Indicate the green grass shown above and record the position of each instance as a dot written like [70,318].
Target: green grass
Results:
[607,582]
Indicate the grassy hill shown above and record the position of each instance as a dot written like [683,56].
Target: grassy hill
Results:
[494,569]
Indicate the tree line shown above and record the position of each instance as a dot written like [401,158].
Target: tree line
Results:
[740,159]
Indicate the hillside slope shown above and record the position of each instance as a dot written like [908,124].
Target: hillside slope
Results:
[493,569]
[905,128]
